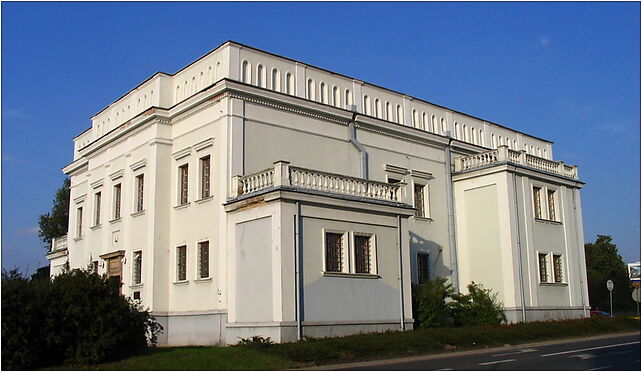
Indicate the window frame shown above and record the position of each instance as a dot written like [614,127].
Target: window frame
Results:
[562,279]
[419,276]
[545,211]
[139,193]
[117,197]
[79,222]
[205,179]
[546,271]
[178,263]
[345,251]
[97,206]
[372,259]
[199,261]
[183,184]
[137,263]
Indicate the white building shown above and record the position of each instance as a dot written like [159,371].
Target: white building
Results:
[249,193]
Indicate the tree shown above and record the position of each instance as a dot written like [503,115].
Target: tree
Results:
[56,222]
[603,263]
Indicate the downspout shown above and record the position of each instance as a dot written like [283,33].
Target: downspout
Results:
[519,250]
[451,215]
[358,145]
[297,259]
[399,243]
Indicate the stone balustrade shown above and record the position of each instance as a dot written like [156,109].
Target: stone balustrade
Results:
[301,178]
[59,243]
[504,154]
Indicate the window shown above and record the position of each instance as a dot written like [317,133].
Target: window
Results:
[203,260]
[97,199]
[551,204]
[558,273]
[205,177]
[181,263]
[117,197]
[333,252]
[183,173]
[140,182]
[537,203]
[362,253]
[423,268]
[420,201]
[79,222]
[543,267]
[94,267]
[137,268]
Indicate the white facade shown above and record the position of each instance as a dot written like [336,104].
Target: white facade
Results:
[237,197]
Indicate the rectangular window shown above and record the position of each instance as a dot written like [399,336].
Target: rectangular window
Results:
[183,171]
[423,268]
[94,267]
[537,203]
[117,196]
[181,263]
[205,177]
[97,200]
[362,254]
[333,252]
[79,222]
[140,183]
[543,267]
[551,205]
[558,273]
[203,260]
[137,269]
[420,201]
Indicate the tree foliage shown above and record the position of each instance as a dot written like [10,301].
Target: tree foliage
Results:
[479,307]
[430,305]
[603,263]
[56,222]
[76,318]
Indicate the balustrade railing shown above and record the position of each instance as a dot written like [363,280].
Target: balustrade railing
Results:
[59,243]
[504,154]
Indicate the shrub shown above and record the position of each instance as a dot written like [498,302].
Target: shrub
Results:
[430,307]
[256,342]
[76,318]
[479,307]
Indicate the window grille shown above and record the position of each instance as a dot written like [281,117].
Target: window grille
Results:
[140,180]
[543,268]
[419,201]
[557,269]
[334,252]
[181,262]
[551,205]
[205,177]
[537,202]
[362,254]
[203,260]
[79,222]
[183,170]
[97,206]
[117,196]
[423,273]
[138,264]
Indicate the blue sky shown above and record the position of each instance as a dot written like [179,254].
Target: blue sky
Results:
[567,72]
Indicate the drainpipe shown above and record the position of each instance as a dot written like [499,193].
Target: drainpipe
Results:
[357,144]
[451,215]
[297,259]
[399,240]
[519,250]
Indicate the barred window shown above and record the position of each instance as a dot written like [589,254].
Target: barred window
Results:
[551,205]
[137,268]
[537,203]
[140,181]
[181,263]
[203,260]
[362,253]
[420,201]
[423,268]
[97,202]
[205,177]
[183,171]
[543,268]
[333,252]
[558,273]
[117,197]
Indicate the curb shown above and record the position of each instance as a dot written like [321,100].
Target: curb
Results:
[447,354]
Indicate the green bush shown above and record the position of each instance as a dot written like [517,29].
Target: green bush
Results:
[430,307]
[479,307]
[76,318]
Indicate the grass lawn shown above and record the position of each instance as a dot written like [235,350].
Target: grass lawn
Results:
[362,347]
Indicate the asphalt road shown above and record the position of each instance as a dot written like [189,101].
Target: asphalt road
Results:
[600,354]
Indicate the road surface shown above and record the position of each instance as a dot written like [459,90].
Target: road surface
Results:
[599,354]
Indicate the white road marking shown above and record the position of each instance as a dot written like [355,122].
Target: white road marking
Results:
[516,352]
[583,356]
[496,362]
[598,368]
[445,369]
[590,348]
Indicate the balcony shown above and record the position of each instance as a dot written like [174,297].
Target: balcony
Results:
[59,243]
[505,155]
[282,175]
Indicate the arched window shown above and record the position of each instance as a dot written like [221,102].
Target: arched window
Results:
[545,155]
[457,134]
[377,108]
[443,126]
[473,135]
[500,141]
[493,141]
[465,136]
[481,137]
[311,90]
[415,119]
[399,114]
[193,84]
[260,76]
[323,92]
[201,80]
[336,96]
[349,100]
[246,72]
[424,121]
[217,72]
[366,105]
[432,124]
[532,150]
[276,80]
[389,114]
[539,152]
[289,83]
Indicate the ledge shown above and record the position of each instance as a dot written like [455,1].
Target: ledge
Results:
[135,286]
[552,222]
[203,200]
[182,206]
[139,213]
[202,280]
[181,282]
[78,238]
[419,218]
[552,284]
[115,221]
[95,227]
[351,275]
